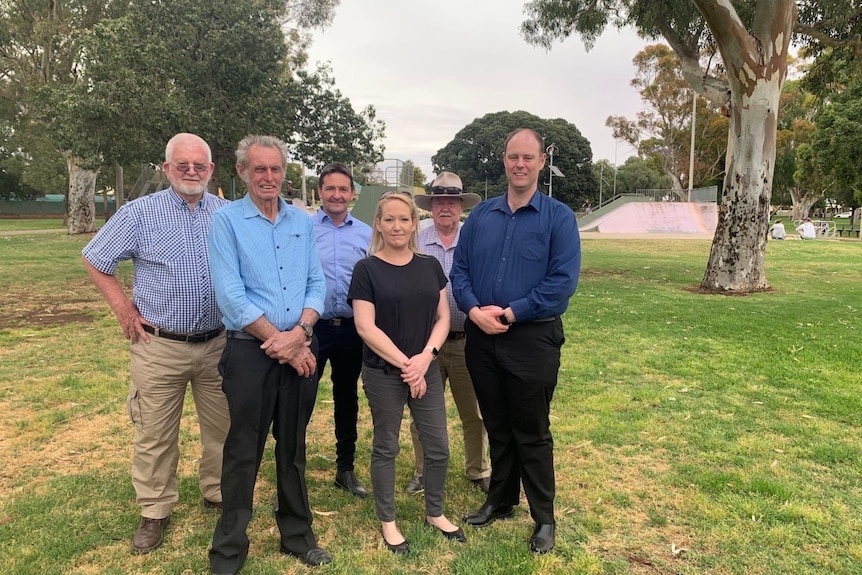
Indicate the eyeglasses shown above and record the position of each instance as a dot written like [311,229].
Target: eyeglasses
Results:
[198,168]
[452,191]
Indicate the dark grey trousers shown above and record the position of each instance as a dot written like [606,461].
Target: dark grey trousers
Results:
[387,395]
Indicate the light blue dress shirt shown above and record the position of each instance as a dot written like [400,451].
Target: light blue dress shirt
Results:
[339,247]
[262,268]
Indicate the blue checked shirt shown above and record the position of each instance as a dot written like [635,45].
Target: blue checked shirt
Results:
[166,242]
[429,243]
[339,247]
[262,268]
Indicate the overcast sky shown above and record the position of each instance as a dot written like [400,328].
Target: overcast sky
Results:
[432,67]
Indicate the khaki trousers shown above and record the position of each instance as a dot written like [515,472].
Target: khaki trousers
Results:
[160,371]
[453,367]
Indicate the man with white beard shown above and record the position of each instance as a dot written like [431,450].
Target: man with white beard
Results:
[173,301]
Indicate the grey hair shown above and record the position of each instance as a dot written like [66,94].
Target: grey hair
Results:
[185,136]
[262,141]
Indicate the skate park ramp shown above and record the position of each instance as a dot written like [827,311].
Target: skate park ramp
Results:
[646,216]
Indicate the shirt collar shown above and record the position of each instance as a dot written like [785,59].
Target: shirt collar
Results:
[324,217]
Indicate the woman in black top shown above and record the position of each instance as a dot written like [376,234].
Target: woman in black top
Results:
[402,315]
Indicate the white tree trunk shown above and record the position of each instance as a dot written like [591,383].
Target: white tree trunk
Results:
[802,202]
[82,203]
[736,258]
[755,57]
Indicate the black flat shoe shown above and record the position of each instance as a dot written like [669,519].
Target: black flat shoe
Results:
[457,535]
[402,548]
[487,514]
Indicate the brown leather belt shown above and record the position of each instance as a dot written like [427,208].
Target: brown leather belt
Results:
[456,335]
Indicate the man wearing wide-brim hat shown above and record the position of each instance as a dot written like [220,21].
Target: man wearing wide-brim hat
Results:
[446,201]
[447,185]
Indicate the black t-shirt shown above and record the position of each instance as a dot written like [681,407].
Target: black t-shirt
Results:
[405,300]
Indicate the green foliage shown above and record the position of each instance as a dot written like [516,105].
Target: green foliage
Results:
[838,133]
[475,154]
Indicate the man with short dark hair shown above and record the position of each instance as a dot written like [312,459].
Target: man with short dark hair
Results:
[342,240]
[270,287]
[516,266]
[164,234]
[446,201]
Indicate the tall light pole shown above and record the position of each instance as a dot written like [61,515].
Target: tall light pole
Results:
[691,149]
[616,144]
[551,149]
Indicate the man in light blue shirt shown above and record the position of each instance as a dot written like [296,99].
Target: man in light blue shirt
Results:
[270,288]
[342,240]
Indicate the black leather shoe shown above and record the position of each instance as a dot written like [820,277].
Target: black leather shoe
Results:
[313,557]
[457,535]
[487,514]
[543,539]
[347,481]
[483,483]
[149,534]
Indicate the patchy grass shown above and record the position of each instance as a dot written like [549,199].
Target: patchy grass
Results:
[694,434]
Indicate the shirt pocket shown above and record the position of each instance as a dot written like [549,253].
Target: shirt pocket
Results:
[535,246]
[163,244]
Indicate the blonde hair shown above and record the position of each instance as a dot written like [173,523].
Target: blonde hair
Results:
[377,237]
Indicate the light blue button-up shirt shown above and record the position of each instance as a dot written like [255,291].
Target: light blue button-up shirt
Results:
[339,247]
[262,268]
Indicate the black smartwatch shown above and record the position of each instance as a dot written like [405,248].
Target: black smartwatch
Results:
[434,351]
[504,320]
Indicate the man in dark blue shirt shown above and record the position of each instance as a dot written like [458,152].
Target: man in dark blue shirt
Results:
[516,266]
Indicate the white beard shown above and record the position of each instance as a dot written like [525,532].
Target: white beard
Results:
[191,189]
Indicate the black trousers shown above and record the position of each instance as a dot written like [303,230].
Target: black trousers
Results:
[341,346]
[515,375]
[261,392]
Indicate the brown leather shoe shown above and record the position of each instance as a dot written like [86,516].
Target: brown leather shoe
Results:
[483,483]
[213,505]
[149,534]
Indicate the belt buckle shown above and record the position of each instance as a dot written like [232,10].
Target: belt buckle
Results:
[336,321]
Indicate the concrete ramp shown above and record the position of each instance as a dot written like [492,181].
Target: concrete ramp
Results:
[657,218]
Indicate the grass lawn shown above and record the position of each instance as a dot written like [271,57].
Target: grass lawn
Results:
[694,434]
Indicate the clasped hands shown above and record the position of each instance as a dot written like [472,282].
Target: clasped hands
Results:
[413,373]
[292,347]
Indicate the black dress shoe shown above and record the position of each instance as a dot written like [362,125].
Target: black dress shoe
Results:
[208,504]
[347,481]
[487,514]
[313,557]
[457,535]
[543,539]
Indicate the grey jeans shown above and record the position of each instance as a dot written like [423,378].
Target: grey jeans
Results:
[387,394]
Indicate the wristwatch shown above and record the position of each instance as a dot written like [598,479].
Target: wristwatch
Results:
[434,351]
[504,320]
[306,327]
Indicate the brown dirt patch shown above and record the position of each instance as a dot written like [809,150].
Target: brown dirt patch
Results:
[26,306]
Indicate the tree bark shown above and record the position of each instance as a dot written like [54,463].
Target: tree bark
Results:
[802,202]
[756,63]
[82,203]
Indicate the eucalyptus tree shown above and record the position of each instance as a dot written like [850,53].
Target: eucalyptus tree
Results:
[753,40]
[475,154]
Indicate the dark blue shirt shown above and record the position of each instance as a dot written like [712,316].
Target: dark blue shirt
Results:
[529,260]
